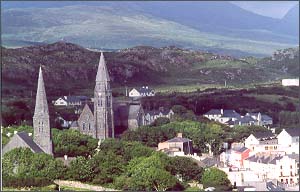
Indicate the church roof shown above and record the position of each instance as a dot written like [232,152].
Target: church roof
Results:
[41,105]
[29,141]
[102,73]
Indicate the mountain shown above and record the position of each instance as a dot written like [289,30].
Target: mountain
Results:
[214,26]
[69,68]
[289,24]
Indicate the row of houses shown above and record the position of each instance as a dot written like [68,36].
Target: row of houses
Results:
[144,91]
[266,156]
[231,118]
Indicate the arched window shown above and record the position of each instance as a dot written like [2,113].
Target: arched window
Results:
[89,126]
[83,126]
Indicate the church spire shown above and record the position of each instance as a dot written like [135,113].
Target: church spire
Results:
[102,73]
[41,121]
[41,105]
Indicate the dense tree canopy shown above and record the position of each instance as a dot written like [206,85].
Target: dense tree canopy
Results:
[22,163]
[214,177]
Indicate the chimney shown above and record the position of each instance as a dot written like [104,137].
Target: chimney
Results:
[222,111]
[179,135]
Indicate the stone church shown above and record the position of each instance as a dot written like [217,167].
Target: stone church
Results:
[41,141]
[97,120]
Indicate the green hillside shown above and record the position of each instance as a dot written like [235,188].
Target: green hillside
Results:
[114,27]
[71,69]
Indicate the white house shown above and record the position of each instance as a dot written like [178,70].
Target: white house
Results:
[290,82]
[71,101]
[144,91]
[283,168]
[222,116]
[288,136]
[62,101]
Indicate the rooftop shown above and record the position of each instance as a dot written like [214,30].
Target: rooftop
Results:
[29,141]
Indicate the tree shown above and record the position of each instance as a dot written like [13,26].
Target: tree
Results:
[185,168]
[80,170]
[213,177]
[161,121]
[22,165]
[149,173]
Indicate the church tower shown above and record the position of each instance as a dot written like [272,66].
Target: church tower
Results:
[103,111]
[41,123]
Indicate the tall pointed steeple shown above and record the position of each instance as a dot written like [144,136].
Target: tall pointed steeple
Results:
[41,122]
[41,105]
[103,111]
[102,73]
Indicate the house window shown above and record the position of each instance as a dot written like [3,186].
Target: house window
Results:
[291,173]
[266,147]
[89,126]
[291,166]
[280,166]
[83,126]
[281,174]
[275,147]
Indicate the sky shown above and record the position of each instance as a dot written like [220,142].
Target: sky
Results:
[275,9]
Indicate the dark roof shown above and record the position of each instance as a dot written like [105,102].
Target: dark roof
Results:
[263,116]
[213,112]
[179,139]
[294,156]
[29,141]
[69,116]
[226,113]
[209,161]
[145,90]
[263,134]
[74,124]
[240,149]
[77,98]
[293,131]
[164,111]
[273,161]
[247,119]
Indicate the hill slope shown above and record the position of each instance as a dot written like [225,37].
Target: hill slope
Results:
[70,68]
[220,28]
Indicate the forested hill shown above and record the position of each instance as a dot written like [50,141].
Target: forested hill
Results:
[69,68]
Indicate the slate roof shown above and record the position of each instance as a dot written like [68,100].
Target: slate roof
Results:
[74,124]
[264,159]
[145,90]
[156,112]
[178,139]
[226,113]
[241,149]
[29,141]
[247,119]
[263,135]
[208,161]
[213,112]
[72,99]
[264,117]
[294,156]
[294,132]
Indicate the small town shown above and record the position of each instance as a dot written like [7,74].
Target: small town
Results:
[78,117]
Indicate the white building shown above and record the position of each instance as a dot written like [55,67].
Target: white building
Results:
[290,82]
[144,91]
[287,137]
[71,101]
[283,168]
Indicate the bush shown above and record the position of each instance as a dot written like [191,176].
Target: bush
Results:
[25,181]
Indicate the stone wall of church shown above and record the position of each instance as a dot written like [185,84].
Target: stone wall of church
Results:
[86,124]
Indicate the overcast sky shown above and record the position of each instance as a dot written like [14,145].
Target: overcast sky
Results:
[276,9]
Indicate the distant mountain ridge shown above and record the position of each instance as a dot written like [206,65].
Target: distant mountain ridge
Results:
[212,26]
